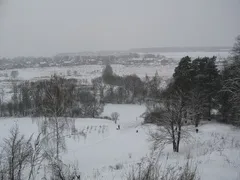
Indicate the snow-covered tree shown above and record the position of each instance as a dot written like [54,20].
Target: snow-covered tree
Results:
[170,129]
[14,74]
[115,116]
[16,152]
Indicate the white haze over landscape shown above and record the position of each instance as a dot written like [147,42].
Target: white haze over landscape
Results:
[47,28]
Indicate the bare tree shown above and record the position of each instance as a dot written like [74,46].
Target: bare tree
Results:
[61,171]
[55,126]
[232,86]
[3,167]
[53,129]
[36,158]
[172,121]
[230,93]
[16,151]
[196,106]
[90,105]
[115,116]
[54,106]
[20,158]
[14,74]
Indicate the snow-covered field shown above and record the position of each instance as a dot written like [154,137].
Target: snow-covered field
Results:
[179,55]
[89,71]
[84,72]
[215,149]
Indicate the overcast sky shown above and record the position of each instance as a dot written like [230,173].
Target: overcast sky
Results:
[47,27]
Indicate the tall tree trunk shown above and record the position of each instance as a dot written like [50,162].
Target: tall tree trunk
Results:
[12,169]
[58,138]
[19,172]
[209,107]
[173,138]
[197,120]
[174,146]
[178,139]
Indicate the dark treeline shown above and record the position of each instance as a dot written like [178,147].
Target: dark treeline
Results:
[198,91]
[205,92]
[194,82]
[38,98]
[128,89]
[229,95]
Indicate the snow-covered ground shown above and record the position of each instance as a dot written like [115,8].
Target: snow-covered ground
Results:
[84,72]
[179,55]
[91,71]
[88,71]
[215,149]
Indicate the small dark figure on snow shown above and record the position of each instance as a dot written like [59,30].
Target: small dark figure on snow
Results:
[118,128]
[136,131]
[196,130]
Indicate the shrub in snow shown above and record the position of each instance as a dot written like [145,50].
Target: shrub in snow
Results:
[14,74]
[118,166]
[20,158]
[151,170]
[129,155]
[62,171]
[115,117]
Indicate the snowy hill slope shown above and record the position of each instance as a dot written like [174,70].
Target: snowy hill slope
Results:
[215,149]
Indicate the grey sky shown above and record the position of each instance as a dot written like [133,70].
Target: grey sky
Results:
[47,27]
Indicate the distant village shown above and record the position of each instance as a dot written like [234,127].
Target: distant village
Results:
[136,57]
[62,60]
